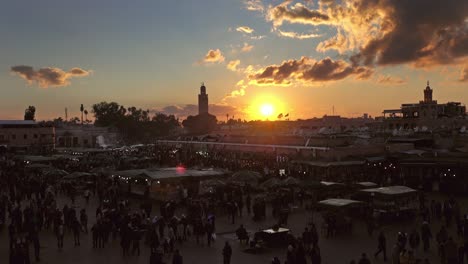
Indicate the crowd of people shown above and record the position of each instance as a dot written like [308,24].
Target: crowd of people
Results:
[32,205]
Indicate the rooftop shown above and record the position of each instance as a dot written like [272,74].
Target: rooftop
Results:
[17,122]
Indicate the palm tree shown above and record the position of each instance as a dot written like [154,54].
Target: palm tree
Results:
[86,115]
[81,110]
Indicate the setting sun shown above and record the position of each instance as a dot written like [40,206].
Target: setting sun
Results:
[265,107]
[266,110]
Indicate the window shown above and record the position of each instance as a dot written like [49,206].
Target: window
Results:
[2,137]
[13,136]
[25,136]
[35,135]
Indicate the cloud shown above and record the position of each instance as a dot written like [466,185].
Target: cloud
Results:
[183,111]
[213,56]
[464,74]
[232,65]
[422,33]
[391,80]
[247,47]
[308,71]
[245,29]
[238,91]
[49,76]
[297,13]
[254,5]
[295,35]
[373,33]
[439,35]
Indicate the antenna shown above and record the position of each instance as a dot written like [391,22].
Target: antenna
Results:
[333,110]
[66,114]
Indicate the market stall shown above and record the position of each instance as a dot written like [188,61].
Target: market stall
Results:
[337,214]
[174,183]
[391,202]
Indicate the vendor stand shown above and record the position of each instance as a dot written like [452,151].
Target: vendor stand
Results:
[338,213]
[273,237]
[391,202]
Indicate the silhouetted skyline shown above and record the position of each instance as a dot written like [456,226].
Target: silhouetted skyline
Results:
[297,57]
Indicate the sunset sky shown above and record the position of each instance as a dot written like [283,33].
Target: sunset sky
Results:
[300,57]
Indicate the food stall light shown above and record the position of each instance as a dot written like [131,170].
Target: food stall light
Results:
[445,174]
[448,169]
[159,182]
[454,175]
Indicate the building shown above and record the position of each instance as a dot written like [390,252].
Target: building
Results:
[202,101]
[26,135]
[427,109]
[85,136]
[427,112]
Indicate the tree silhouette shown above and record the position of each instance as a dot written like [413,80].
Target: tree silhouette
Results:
[30,113]
[81,110]
[200,124]
[86,115]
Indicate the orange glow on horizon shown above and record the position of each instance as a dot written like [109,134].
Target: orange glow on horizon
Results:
[265,107]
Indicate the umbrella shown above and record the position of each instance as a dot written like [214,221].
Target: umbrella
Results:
[338,203]
[270,183]
[37,166]
[209,186]
[76,175]
[246,176]
[102,170]
[213,183]
[56,173]
[290,181]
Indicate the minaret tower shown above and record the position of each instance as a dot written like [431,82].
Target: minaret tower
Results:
[428,94]
[203,100]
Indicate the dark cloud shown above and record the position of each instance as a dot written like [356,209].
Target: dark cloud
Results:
[190,109]
[421,32]
[309,71]
[49,76]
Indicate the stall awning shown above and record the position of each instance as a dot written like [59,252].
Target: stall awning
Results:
[338,202]
[331,163]
[391,190]
[168,173]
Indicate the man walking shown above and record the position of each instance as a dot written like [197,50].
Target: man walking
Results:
[227,253]
[381,246]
